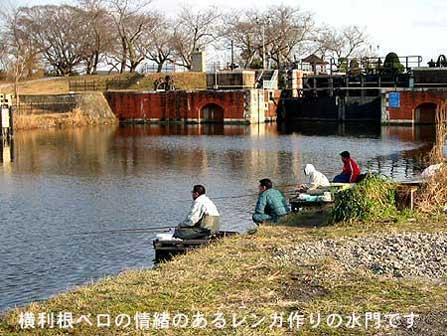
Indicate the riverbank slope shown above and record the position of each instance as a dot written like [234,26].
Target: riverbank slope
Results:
[63,110]
[248,281]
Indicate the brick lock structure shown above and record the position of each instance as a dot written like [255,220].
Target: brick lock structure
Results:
[225,106]
[416,106]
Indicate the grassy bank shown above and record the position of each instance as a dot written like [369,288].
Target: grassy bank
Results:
[127,81]
[38,86]
[243,276]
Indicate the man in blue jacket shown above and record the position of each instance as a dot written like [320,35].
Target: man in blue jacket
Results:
[271,203]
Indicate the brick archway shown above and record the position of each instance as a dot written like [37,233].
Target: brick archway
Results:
[416,106]
[212,112]
[189,106]
[425,113]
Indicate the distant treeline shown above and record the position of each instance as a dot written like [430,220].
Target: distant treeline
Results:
[123,35]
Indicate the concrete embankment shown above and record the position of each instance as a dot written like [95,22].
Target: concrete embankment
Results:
[63,110]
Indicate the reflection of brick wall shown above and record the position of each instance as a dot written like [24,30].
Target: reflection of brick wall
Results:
[411,99]
[175,105]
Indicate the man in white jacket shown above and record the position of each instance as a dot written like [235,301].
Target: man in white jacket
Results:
[316,181]
[203,218]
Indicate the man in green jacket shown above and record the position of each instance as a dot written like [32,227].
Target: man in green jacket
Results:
[271,203]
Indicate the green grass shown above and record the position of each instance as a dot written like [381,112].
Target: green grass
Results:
[373,198]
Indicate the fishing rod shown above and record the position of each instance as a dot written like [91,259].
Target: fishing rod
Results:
[244,195]
[128,230]
[167,228]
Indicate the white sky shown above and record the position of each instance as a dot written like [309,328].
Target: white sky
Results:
[407,27]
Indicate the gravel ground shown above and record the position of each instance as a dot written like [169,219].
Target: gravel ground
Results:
[429,324]
[399,255]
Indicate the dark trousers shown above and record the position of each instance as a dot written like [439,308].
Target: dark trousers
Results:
[190,232]
[342,178]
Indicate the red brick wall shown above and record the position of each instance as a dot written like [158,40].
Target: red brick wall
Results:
[232,102]
[176,105]
[410,100]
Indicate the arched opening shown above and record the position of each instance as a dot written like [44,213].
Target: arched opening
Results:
[426,113]
[212,113]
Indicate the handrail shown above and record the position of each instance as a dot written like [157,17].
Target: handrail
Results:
[258,80]
[272,83]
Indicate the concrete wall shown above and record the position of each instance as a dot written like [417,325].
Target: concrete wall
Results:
[295,81]
[64,110]
[231,79]
[198,61]
[256,106]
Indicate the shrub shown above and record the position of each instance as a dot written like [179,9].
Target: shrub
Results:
[373,198]
[392,64]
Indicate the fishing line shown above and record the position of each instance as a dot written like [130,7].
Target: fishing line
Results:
[244,195]
[167,228]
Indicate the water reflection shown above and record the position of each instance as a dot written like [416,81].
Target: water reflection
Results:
[331,128]
[63,182]
[6,151]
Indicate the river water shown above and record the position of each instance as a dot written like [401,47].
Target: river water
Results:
[64,183]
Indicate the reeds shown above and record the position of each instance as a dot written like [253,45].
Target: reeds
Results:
[433,196]
[436,155]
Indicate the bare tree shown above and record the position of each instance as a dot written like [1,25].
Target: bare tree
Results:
[194,29]
[4,55]
[288,28]
[98,38]
[20,51]
[277,32]
[242,29]
[132,19]
[161,42]
[342,43]
[56,31]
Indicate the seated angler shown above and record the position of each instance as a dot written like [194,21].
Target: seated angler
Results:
[317,181]
[271,203]
[203,218]
[351,169]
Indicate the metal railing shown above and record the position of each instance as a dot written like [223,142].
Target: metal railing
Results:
[365,65]
[272,83]
[153,68]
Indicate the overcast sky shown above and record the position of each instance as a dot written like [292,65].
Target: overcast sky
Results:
[407,27]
